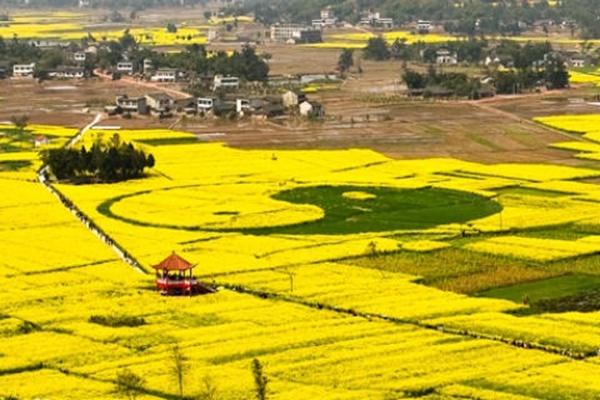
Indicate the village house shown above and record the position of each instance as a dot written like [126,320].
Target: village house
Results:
[66,72]
[148,66]
[328,19]
[132,104]
[47,43]
[125,67]
[24,70]
[311,109]
[445,57]
[79,56]
[424,27]
[226,82]
[160,103]
[293,98]
[205,104]
[295,33]
[374,18]
[186,106]
[165,75]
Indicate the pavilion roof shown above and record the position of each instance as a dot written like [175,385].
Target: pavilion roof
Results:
[174,263]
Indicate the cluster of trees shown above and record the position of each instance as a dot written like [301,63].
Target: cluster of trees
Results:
[446,84]
[245,63]
[471,51]
[17,51]
[468,18]
[114,162]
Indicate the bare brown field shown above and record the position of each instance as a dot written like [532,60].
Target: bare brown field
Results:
[58,102]
[366,112]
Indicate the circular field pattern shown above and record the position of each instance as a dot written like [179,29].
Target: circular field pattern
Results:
[325,210]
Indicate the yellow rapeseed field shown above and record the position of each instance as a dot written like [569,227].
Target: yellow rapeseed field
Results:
[333,330]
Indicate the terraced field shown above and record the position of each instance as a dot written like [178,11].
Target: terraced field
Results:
[334,305]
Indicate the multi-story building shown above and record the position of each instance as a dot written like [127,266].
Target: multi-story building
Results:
[296,33]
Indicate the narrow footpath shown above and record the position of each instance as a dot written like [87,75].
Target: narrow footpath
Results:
[42,176]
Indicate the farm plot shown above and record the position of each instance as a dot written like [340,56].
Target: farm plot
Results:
[322,329]
[74,26]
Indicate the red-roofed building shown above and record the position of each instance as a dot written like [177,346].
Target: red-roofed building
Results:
[174,276]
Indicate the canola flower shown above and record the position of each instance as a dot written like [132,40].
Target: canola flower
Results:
[57,285]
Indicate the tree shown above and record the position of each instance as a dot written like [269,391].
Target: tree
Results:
[260,380]
[171,27]
[179,367]
[556,74]
[414,80]
[117,161]
[377,49]
[345,61]
[128,384]
[20,122]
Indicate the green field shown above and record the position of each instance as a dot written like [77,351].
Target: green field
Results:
[389,209]
[546,289]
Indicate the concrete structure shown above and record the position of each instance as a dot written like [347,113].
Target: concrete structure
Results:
[326,20]
[444,57]
[66,72]
[79,56]
[374,18]
[293,98]
[125,67]
[159,103]
[311,109]
[24,70]
[165,75]
[226,82]
[424,26]
[295,33]
[205,104]
[241,105]
[148,66]
[132,104]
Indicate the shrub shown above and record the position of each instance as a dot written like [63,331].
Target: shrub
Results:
[117,321]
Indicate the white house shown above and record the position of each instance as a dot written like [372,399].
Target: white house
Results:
[125,67]
[164,75]
[205,104]
[578,62]
[424,26]
[242,105]
[226,82]
[327,19]
[293,98]
[24,70]
[444,57]
[66,72]
[79,56]
[295,33]
[374,18]
[311,109]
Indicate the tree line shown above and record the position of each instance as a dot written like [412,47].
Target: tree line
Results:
[113,162]
[473,17]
